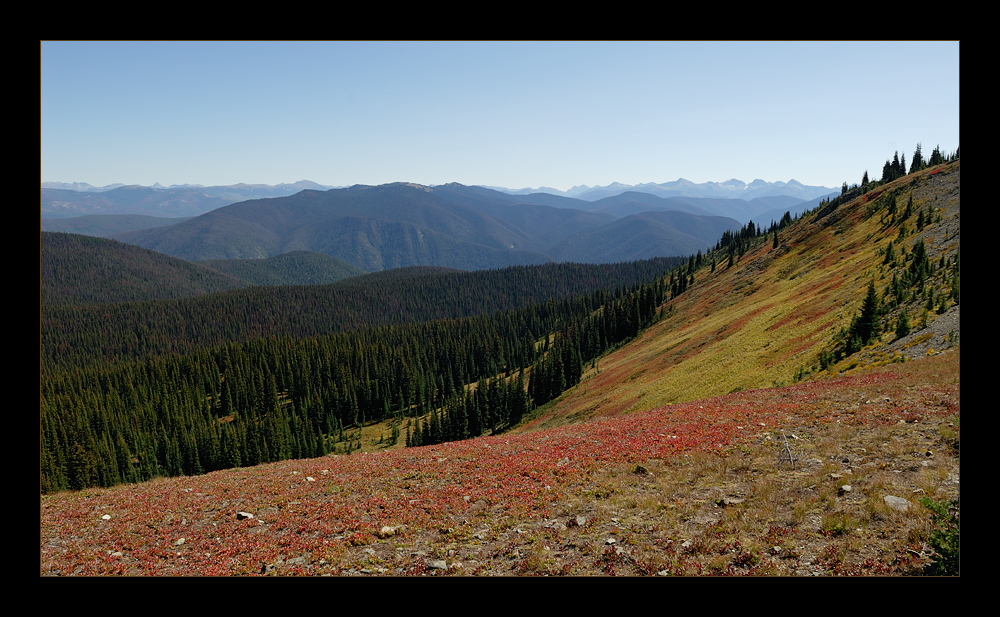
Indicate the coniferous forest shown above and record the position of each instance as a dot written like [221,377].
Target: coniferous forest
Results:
[136,389]
[131,391]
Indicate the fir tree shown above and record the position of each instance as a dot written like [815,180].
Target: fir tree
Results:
[936,157]
[890,255]
[867,327]
[918,160]
[902,324]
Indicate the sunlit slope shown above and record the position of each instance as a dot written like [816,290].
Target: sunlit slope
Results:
[757,323]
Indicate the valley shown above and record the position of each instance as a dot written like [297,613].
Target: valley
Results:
[632,414]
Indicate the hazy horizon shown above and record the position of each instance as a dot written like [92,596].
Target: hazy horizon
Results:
[504,114]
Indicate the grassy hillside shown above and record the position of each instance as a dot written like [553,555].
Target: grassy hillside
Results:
[743,433]
[765,320]
[747,484]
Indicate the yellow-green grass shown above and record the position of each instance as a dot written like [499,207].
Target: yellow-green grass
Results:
[756,324]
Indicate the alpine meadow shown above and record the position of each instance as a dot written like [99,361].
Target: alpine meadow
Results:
[456,380]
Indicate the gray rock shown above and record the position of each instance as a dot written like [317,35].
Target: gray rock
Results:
[896,503]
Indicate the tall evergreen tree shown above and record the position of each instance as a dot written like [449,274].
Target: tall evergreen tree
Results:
[918,160]
[867,323]
[936,157]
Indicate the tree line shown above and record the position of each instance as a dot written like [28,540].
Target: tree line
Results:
[87,334]
[280,397]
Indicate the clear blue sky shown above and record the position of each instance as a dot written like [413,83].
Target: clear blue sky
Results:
[498,113]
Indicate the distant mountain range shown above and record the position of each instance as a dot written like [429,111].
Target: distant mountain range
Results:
[63,199]
[400,225]
[731,189]
[244,189]
[60,199]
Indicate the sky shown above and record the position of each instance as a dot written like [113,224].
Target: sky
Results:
[504,114]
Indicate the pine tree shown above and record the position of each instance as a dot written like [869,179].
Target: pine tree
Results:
[867,326]
[918,160]
[936,157]
[902,324]
[890,254]
[892,205]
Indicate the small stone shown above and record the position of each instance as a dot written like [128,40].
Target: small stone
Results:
[844,489]
[896,503]
[179,542]
[106,517]
[243,516]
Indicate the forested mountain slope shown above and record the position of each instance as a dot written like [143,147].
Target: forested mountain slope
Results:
[78,269]
[401,225]
[295,268]
[84,269]
[79,335]
[270,376]
[638,236]
[105,225]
